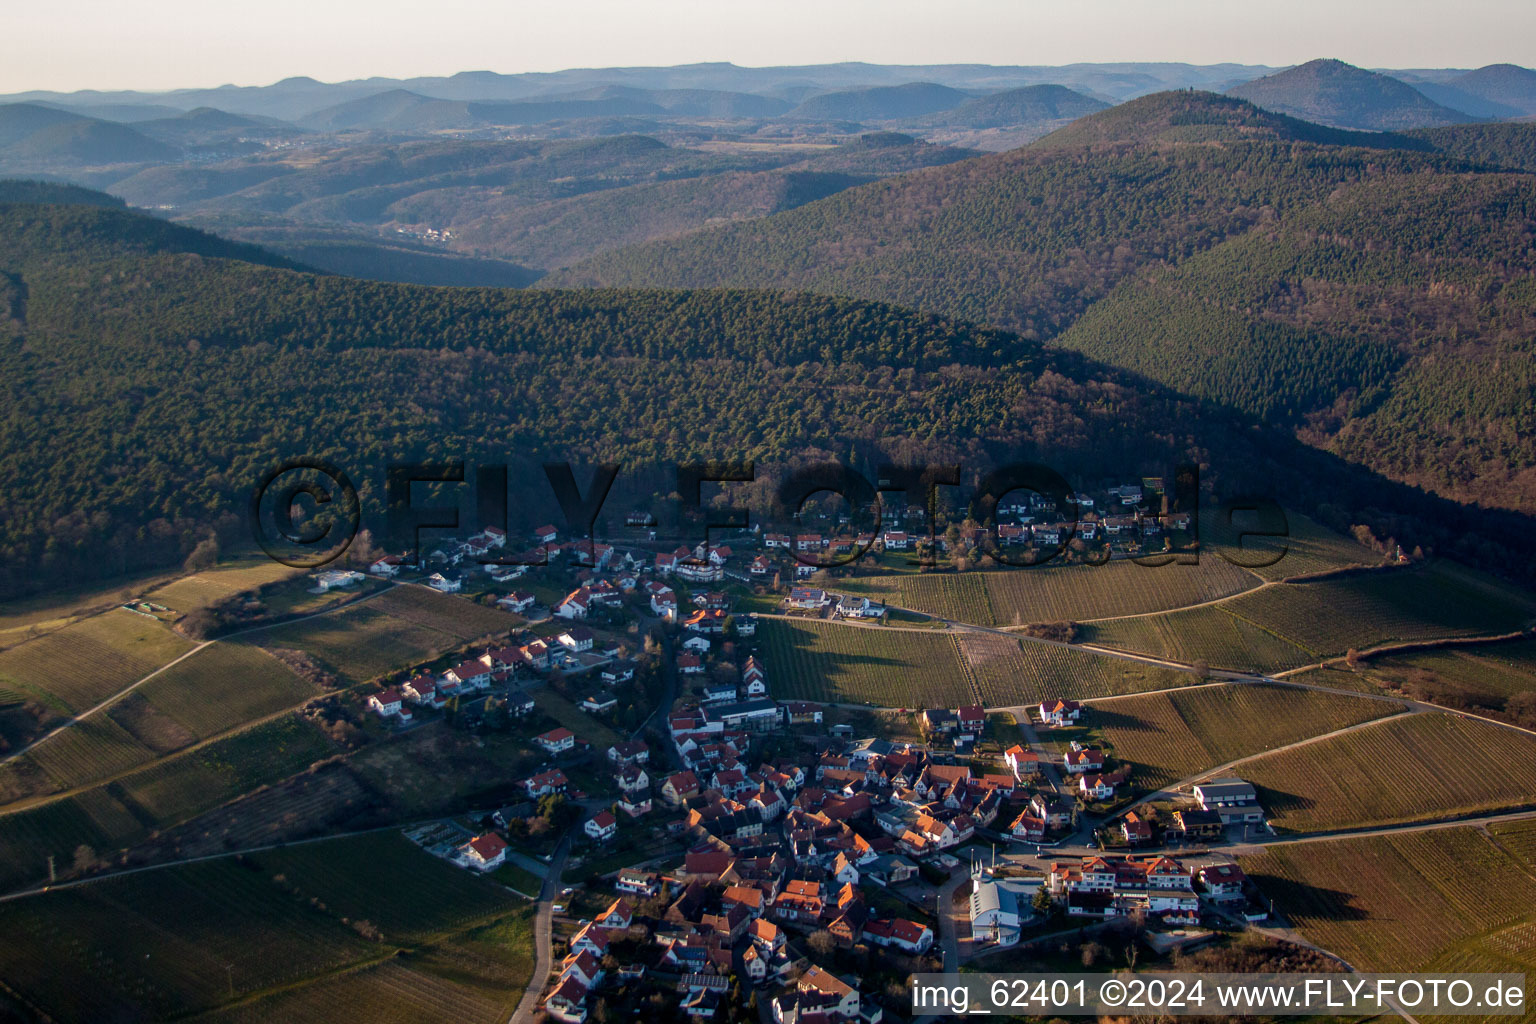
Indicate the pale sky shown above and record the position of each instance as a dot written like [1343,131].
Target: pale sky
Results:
[162,44]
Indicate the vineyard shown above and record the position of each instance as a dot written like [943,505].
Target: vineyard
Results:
[1364,609]
[1209,634]
[958,596]
[1078,592]
[820,661]
[214,585]
[224,686]
[1406,902]
[93,748]
[1518,837]
[457,616]
[363,642]
[89,661]
[1414,768]
[1053,593]
[1488,674]
[219,688]
[1171,736]
[1310,548]
[1012,672]
[111,816]
[179,787]
[187,939]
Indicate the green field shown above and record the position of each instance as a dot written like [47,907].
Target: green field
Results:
[1010,672]
[90,660]
[567,713]
[1171,736]
[1210,634]
[32,616]
[189,939]
[1415,768]
[1446,899]
[360,643]
[809,660]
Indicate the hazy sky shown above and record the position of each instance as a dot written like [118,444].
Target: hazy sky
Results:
[158,44]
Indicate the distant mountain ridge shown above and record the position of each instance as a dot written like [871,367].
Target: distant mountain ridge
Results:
[1056,239]
[1331,92]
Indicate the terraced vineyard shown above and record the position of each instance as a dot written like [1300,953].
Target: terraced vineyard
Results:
[1414,768]
[821,661]
[1210,634]
[87,662]
[187,939]
[1171,736]
[1441,898]
[1365,609]
[214,585]
[1010,672]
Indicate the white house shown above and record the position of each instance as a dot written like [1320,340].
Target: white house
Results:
[1021,762]
[443,585]
[575,605]
[333,578]
[388,704]
[519,601]
[556,740]
[484,853]
[908,936]
[1059,711]
[602,826]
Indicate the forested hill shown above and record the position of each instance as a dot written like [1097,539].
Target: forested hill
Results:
[1274,265]
[149,379]
[1394,323]
[1028,239]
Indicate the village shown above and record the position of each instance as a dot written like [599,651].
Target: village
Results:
[739,850]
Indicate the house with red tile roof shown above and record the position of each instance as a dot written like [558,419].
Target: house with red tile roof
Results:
[484,853]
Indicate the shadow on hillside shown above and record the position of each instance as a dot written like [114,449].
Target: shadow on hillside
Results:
[1296,898]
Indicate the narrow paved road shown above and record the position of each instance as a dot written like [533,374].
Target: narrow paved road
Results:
[543,936]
